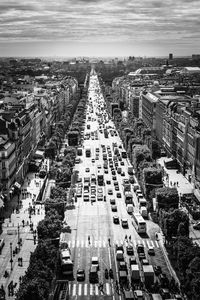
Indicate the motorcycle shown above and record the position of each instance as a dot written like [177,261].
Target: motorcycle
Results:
[111,273]
[106,273]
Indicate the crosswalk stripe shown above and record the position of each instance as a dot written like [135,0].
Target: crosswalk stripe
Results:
[79,289]
[157,245]
[77,243]
[104,244]
[95,244]
[85,289]
[74,290]
[70,286]
[96,290]
[86,244]
[99,244]
[91,289]
[82,244]
[73,244]
[69,244]
[107,288]
[148,244]
[134,243]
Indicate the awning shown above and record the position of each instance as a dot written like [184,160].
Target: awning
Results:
[17,185]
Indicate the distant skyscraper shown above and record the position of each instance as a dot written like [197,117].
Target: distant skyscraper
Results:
[170,56]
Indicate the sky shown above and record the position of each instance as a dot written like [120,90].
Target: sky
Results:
[99,27]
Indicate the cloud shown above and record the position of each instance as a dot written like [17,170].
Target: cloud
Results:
[100,20]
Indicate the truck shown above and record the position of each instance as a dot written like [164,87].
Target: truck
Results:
[149,276]
[66,262]
[130,170]
[135,273]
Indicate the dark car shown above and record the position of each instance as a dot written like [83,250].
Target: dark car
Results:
[80,275]
[115,219]
[129,250]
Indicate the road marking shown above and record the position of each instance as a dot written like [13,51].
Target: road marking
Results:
[107,288]
[79,289]
[70,286]
[85,289]
[157,245]
[69,243]
[73,244]
[86,244]
[74,290]
[147,244]
[82,244]
[95,244]
[77,244]
[96,290]
[99,244]
[91,289]
[134,243]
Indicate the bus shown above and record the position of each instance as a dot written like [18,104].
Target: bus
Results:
[66,262]
[87,152]
[128,197]
[140,223]
[100,178]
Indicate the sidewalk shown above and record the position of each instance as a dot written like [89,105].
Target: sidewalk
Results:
[184,186]
[13,230]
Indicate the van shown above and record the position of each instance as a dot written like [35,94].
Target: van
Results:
[93,274]
[156,297]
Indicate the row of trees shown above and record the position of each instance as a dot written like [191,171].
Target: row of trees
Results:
[36,283]
[143,151]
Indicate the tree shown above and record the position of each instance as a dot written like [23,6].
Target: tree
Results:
[152,178]
[140,153]
[50,150]
[167,198]
[50,227]
[155,149]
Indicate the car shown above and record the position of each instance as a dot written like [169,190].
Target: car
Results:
[129,250]
[196,226]
[87,170]
[122,173]
[110,192]
[80,275]
[122,163]
[157,270]
[106,171]
[108,182]
[112,201]
[93,192]
[124,223]
[99,167]
[93,160]
[151,251]
[115,219]
[141,255]
[119,195]
[114,208]
[79,193]
[97,157]
[116,188]
[132,261]
[113,173]
[114,177]
[100,197]
[77,160]
[131,179]
[93,198]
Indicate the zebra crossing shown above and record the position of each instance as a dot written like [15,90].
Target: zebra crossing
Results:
[87,289]
[104,243]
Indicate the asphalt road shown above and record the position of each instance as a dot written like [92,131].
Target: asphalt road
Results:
[96,219]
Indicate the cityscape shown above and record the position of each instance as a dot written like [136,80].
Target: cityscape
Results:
[99,150]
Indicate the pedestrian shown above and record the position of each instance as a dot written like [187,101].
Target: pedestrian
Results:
[170,183]
[177,183]
[174,184]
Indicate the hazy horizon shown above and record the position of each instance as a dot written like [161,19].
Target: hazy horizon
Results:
[101,28]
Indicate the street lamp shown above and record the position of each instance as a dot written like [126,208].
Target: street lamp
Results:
[11,257]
